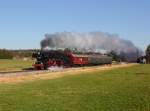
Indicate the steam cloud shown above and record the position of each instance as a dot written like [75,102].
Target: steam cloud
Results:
[91,41]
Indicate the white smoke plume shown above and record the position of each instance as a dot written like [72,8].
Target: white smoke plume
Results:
[93,41]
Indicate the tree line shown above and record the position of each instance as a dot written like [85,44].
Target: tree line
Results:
[10,54]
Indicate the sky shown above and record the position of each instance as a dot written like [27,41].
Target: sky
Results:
[23,23]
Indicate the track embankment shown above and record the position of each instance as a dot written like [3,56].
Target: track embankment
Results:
[52,74]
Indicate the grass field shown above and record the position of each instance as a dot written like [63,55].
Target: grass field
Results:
[14,65]
[124,89]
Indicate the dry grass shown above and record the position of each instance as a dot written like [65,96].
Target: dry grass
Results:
[65,72]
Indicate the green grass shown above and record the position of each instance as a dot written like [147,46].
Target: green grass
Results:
[124,89]
[14,65]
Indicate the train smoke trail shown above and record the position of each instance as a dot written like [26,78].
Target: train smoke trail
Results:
[91,41]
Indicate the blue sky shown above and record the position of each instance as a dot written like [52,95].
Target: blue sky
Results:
[23,23]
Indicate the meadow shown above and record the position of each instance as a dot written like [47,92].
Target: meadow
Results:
[7,65]
[123,89]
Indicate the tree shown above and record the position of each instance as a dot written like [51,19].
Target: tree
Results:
[114,56]
[148,54]
[5,54]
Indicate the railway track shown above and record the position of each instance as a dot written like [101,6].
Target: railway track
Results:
[53,69]
[36,72]
[22,76]
[24,72]
[32,71]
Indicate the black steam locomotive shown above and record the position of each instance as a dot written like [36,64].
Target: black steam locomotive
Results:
[45,59]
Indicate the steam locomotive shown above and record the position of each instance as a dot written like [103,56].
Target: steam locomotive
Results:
[45,59]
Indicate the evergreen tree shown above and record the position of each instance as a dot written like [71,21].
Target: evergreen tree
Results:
[148,54]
